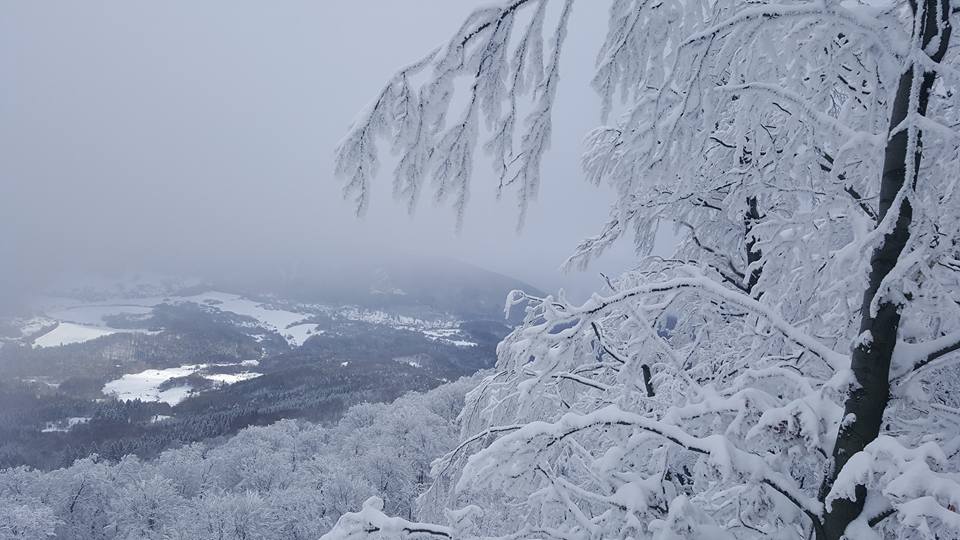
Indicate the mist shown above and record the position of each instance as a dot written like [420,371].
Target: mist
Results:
[198,138]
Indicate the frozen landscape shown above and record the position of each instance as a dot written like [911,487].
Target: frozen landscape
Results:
[120,356]
[67,321]
[214,324]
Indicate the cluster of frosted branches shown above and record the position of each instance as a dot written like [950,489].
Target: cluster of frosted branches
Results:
[512,76]
[621,429]
[701,395]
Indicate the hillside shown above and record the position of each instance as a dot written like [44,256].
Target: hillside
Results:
[136,366]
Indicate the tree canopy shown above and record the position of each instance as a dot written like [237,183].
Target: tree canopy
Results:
[790,370]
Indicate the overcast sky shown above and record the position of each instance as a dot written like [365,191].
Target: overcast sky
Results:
[184,135]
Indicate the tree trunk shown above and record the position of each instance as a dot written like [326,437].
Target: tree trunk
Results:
[754,254]
[870,361]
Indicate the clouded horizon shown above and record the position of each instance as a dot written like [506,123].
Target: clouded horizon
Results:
[196,137]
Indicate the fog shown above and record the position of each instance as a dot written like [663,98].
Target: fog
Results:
[198,137]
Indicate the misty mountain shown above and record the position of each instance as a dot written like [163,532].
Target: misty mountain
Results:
[393,281]
[140,363]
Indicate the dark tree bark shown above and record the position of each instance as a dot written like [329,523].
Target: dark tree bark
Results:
[870,361]
[754,254]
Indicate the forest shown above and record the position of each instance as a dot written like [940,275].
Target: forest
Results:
[319,381]
[289,480]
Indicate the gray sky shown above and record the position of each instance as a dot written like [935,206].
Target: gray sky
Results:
[184,135]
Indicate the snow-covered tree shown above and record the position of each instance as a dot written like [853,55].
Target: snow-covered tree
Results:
[790,371]
[288,481]
[25,519]
[80,496]
[146,505]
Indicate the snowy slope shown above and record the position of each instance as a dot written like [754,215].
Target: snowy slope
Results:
[67,333]
[145,385]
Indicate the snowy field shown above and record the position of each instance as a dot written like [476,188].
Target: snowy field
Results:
[289,324]
[67,333]
[145,385]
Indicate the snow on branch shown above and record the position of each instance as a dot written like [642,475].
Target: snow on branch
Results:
[436,136]
[852,136]
[908,478]
[834,359]
[511,453]
[705,391]
[370,523]
[909,358]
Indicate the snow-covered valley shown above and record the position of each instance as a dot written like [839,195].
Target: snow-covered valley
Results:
[108,363]
[66,321]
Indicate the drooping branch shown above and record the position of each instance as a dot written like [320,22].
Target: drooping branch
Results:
[914,357]
[833,359]
[436,146]
[724,456]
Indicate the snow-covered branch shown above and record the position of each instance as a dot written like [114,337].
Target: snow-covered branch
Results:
[371,522]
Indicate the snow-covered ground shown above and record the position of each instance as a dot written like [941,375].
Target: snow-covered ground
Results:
[230,378]
[288,324]
[29,327]
[445,331]
[81,321]
[65,425]
[415,360]
[298,334]
[145,385]
[69,323]
[66,333]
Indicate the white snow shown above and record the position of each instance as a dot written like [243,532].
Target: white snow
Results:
[354,525]
[412,361]
[86,320]
[447,335]
[460,342]
[444,331]
[298,334]
[67,333]
[81,321]
[64,425]
[230,378]
[32,326]
[145,385]
[278,320]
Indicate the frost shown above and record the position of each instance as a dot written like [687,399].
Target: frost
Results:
[765,134]
[371,522]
